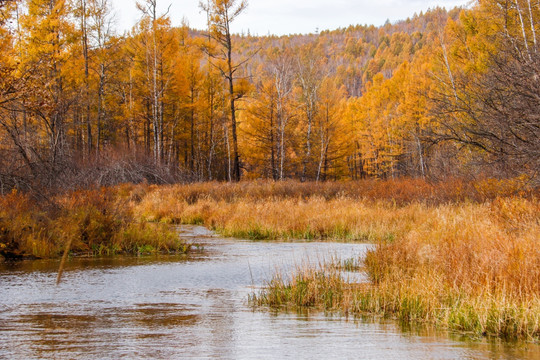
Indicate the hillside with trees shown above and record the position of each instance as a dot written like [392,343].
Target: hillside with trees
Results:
[442,94]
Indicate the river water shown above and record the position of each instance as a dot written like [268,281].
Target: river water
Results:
[196,307]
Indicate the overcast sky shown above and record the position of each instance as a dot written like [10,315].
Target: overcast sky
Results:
[290,16]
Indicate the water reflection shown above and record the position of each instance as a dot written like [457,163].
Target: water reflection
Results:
[179,307]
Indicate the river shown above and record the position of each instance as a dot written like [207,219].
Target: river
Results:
[174,307]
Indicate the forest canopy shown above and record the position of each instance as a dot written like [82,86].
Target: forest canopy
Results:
[442,94]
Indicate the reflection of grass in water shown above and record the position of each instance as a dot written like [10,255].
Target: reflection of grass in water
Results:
[350,264]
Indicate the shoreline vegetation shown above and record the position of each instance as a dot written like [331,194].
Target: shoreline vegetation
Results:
[464,256]
[96,222]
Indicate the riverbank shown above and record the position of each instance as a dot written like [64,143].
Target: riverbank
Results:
[464,256]
[95,222]
[471,268]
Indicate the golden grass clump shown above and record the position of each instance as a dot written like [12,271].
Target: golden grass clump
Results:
[98,222]
[320,286]
[469,267]
[23,227]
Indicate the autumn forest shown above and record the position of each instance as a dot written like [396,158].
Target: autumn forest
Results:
[441,94]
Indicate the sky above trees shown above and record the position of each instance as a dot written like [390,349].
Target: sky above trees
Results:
[288,17]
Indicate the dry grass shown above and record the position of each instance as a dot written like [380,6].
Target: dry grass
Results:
[469,267]
[400,192]
[99,222]
[465,256]
[362,211]
[321,286]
